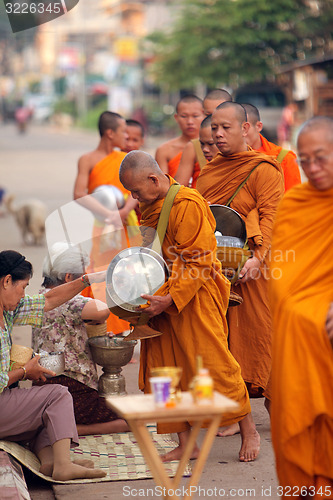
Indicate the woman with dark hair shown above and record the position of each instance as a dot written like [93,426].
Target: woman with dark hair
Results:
[40,416]
[64,329]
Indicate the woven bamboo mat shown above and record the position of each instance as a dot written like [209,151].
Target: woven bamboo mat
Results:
[117,454]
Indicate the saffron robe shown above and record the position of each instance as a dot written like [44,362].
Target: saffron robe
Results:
[249,323]
[289,164]
[173,164]
[106,245]
[195,324]
[301,290]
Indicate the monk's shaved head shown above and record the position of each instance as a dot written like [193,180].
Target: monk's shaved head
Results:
[141,175]
[188,99]
[139,162]
[240,111]
[316,123]
[218,94]
[252,112]
[206,122]
[108,120]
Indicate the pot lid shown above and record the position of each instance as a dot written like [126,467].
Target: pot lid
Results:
[134,271]
[229,224]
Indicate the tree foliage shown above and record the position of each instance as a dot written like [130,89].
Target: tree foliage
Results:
[239,41]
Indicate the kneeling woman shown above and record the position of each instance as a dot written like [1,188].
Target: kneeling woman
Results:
[40,416]
[64,329]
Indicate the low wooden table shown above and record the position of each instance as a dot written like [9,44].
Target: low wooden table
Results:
[140,409]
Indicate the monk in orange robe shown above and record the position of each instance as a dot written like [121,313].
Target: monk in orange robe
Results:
[301,289]
[192,160]
[97,168]
[249,323]
[189,114]
[190,307]
[258,142]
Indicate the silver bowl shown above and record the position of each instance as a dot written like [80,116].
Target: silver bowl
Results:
[54,361]
[111,351]
[110,197]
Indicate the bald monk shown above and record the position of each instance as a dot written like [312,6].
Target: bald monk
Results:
[192,160]
[190,307]
[189,114]
[302,308]
[96,168]
[249,323]
[258,142]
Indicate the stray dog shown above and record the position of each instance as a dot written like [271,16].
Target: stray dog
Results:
[30,216]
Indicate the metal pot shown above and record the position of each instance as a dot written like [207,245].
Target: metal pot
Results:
[230,225]
[109,196]
[132,272]
[54,361]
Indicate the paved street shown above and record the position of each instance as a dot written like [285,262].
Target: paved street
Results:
[42,164]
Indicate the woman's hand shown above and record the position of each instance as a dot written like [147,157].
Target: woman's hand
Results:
[98,277]
[34,371]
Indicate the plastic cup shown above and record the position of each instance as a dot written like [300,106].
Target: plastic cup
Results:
[160,387]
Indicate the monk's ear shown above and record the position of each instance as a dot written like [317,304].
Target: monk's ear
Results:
[154,179]
[245,128]
[109,133]
[259,126]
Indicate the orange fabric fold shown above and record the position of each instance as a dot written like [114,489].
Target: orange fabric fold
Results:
[173,164]
[105,245]
[250,325]
[289,164]
[106,171]
[195,323]
[301,290]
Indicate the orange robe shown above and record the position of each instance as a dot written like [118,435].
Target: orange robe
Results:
[249,323]
[106,171]
[173,164]
[195,324]
[302,370]
[289,164]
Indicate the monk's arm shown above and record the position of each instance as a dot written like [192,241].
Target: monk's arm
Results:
[161,156]
[186,165]
[81,194]
[130,204]
[267,184]
[329,323]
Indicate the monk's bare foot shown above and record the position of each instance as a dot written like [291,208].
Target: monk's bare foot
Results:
[229,431]
[176,454]
[250,447]
[46,469]
[65,472]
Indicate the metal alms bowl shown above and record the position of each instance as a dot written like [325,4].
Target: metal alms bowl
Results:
[132,272]
[112,351]
[231,226]
[54,361]
[109,196]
